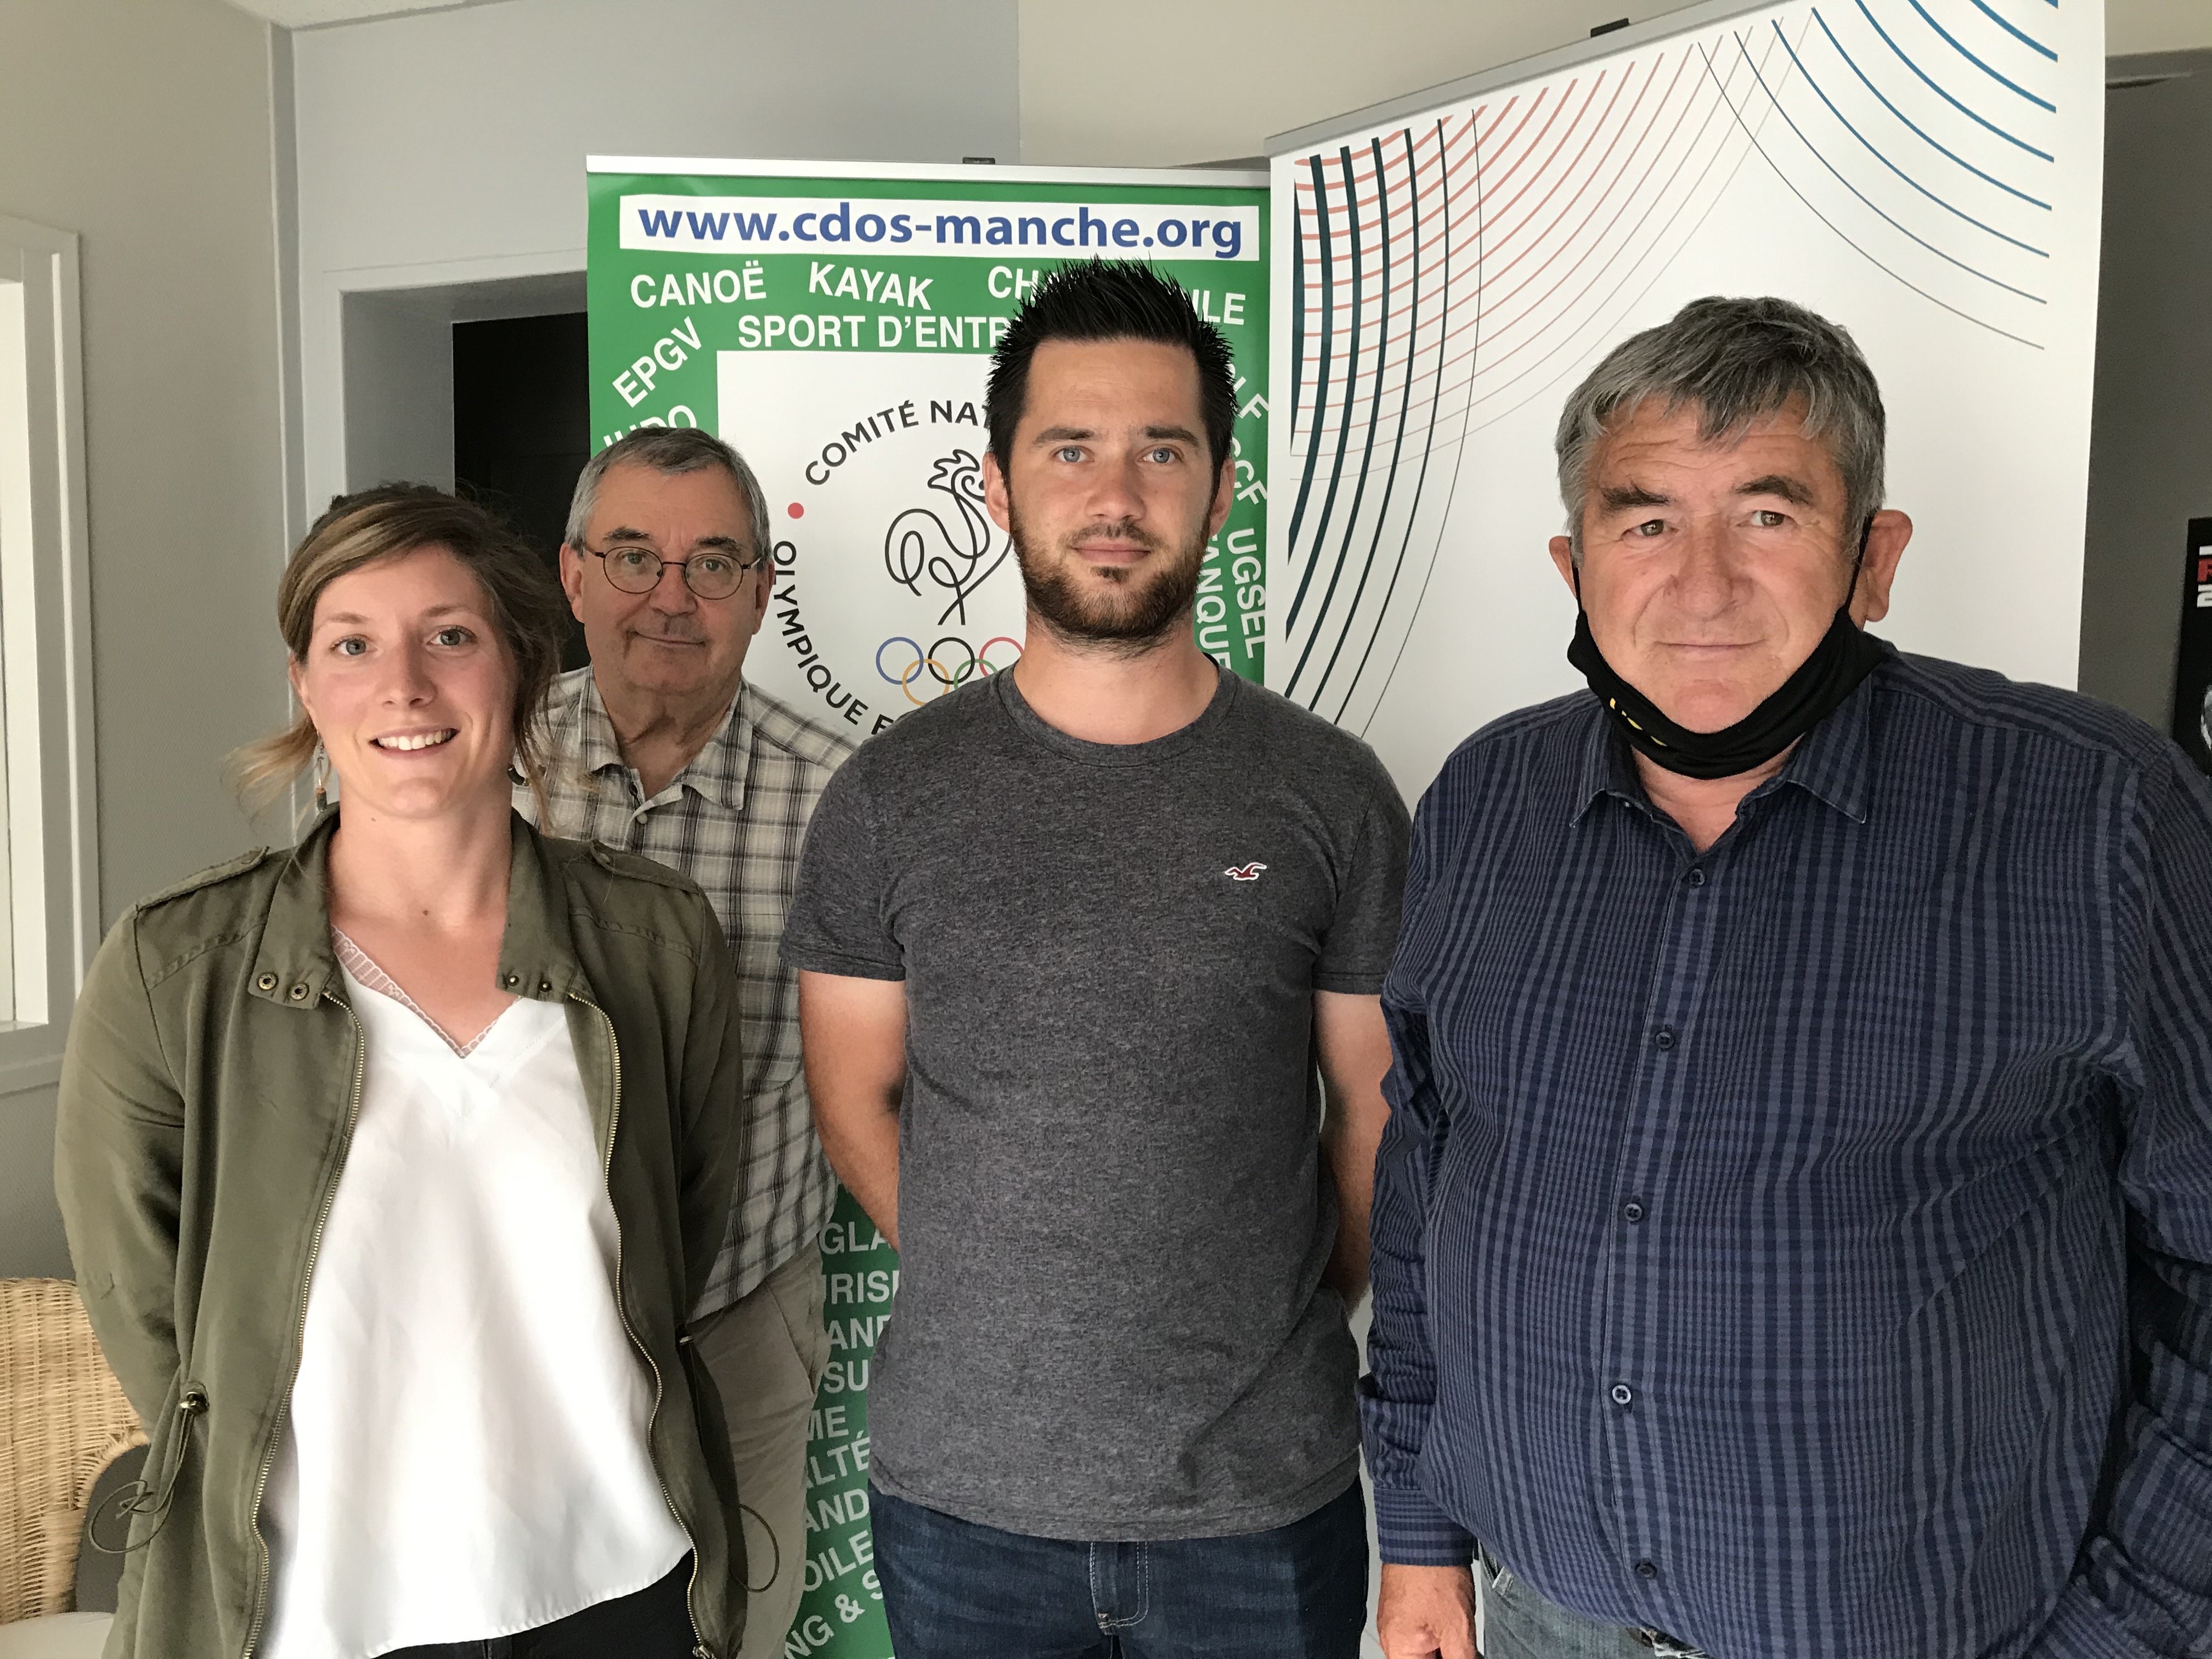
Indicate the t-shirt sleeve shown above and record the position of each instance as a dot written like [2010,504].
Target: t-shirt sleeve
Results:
[839,918]
[1356,955]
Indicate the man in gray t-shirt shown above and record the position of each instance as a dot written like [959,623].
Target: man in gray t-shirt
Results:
[1079,944]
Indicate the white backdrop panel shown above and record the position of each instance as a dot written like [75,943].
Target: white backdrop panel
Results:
[1926,172]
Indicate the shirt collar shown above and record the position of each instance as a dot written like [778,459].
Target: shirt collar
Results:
[1831,764]
[294,963]
[592,740]
[717,773]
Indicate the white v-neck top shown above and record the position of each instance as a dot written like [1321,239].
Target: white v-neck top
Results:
[466,1452]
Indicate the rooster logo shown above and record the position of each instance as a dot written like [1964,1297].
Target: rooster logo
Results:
[920,542]
[1244,871]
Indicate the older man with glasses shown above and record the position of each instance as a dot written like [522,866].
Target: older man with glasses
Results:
[661,748]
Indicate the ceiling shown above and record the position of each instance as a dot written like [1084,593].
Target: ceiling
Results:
[307,14]
[2132,26]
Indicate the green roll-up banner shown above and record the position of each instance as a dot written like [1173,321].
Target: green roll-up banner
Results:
[835,322]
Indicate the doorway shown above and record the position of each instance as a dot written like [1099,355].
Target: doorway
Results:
[522,428]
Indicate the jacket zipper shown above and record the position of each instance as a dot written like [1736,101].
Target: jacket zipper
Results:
[699,1647]
[300,1332]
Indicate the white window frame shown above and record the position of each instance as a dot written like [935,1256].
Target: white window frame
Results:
[49,856]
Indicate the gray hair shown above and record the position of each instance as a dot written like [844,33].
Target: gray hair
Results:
[1735,362]
[670,449]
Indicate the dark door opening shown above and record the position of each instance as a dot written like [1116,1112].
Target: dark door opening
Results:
[522,428]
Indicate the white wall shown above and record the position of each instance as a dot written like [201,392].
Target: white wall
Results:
[448,148]
[146,129]
[2135,26]
[1171,82]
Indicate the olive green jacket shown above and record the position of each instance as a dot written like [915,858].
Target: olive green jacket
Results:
[208,1098]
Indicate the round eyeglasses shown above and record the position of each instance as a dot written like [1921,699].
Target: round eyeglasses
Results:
[710,575]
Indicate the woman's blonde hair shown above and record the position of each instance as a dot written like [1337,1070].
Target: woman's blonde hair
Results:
[527,608]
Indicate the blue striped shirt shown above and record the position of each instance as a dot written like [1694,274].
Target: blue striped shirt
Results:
[1802,1246]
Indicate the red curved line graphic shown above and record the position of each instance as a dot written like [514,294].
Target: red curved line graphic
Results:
[1397,287]
[1499,182]
[1477,206]
[1495,244]
[1372,224]
[1489,278]
[1565,276]
[1326,396]
[1364,169]
[1562,245]
[1492,334]
[1431,402]
[1451,225]
[1498,243]
[1544,237]
[1499,389]
[1358,175]
[1533,107]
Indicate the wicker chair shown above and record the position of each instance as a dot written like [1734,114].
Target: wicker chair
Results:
[63,1419]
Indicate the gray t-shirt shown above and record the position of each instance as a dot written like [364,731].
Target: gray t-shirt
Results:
[1113,1211]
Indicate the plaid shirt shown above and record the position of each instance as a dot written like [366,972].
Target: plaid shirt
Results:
[1805,1245]
[732,821]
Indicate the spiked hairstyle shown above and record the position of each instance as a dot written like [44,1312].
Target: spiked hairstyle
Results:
[1111,300]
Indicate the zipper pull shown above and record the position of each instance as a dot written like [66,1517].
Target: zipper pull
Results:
[136,1498]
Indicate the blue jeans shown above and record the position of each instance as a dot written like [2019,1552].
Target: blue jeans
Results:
[953,1590]
[1519,1624]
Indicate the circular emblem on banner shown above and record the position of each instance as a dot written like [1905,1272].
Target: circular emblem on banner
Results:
[893,586]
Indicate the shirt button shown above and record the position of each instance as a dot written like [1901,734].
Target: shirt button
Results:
[1664,1037]
[1631,1210]
[1623,1395]
[1696,877]
[1647,1570]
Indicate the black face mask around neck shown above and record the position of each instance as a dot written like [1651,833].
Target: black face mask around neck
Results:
[1846,654]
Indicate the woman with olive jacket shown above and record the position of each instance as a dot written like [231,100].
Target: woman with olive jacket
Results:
[393,1164]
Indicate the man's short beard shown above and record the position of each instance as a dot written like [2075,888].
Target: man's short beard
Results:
[1142,615]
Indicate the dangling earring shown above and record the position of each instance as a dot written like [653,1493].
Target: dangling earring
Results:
[322,778]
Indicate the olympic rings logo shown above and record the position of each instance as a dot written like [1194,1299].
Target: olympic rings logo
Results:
[951,662]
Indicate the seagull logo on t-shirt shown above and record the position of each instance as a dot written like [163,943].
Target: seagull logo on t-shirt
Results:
[1244,871]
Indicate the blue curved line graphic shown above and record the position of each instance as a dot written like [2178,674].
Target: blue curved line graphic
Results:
[1328,335]
[1405,399]
[1428,444]
[2021,35]
[1993,74]
[1944,96]
[1398,437]
[1991,178]
[1374,413]
[1861,194]
[1885,160]
[1351,385]
[1830,223]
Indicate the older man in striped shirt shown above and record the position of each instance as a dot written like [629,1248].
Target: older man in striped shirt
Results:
[661,748]
[1793,1238]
